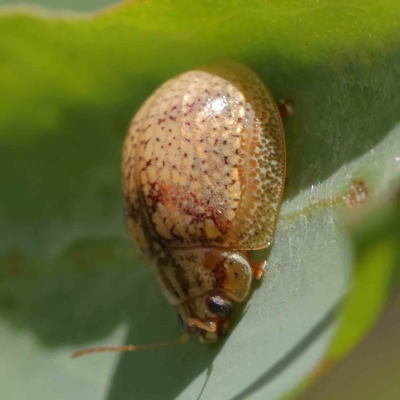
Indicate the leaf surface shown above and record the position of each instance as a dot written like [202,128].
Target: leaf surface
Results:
[69,278]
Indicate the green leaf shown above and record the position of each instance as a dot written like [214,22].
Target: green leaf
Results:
[377,244]
[69,278]
[374,232]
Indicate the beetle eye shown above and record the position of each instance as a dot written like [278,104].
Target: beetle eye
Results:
[218,306]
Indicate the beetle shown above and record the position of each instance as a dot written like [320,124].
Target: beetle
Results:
[203,172]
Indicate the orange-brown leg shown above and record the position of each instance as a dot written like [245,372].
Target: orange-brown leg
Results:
[259,268]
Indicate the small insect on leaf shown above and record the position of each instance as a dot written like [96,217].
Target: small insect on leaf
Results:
[203,171]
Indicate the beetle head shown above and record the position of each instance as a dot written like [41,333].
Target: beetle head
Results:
[202,283]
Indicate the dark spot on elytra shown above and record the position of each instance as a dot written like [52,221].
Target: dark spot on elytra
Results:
[130,210]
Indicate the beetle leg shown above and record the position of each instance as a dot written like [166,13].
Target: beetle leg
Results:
[285,108]
[259,268]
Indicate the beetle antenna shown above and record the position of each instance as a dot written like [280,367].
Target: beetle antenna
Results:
[130,347]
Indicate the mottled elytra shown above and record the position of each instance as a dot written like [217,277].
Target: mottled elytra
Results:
[203,171]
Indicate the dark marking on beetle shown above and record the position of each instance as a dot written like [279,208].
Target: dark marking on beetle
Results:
[219,273]
[130,210]
[145,129]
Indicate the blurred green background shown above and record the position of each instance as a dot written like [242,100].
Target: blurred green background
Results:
[370,372]
[71,5]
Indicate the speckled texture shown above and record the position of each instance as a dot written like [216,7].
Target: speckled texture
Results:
[204,163]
